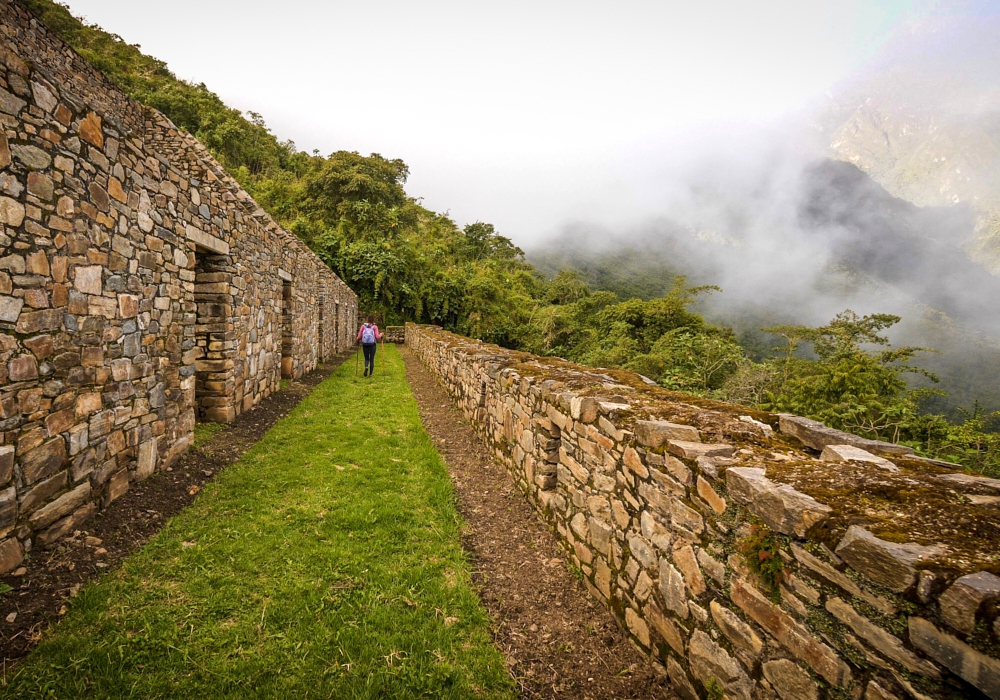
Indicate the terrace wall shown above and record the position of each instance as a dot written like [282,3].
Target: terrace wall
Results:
[141,290]
[884,565]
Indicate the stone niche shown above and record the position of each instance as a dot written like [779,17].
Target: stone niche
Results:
[141,290]
[887,585]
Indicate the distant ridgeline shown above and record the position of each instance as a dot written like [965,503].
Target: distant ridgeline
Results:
[749,554]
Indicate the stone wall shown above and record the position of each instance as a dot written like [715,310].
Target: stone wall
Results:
[141,289]
[395,334]
[750,555]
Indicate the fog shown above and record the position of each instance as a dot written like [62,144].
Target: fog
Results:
[520,113]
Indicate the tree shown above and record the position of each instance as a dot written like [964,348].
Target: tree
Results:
[858,383]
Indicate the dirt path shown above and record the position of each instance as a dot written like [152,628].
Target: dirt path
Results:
[558,641]
[51,576]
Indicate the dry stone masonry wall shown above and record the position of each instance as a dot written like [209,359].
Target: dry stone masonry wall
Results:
[141,290]
[750,555]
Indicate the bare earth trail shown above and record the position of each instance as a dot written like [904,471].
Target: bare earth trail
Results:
[558,641]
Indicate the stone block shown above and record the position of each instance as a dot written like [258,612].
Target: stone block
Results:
[583,409]
[795,637]
[6,463]
[693,450]
[43,491]
[886,563]
[874,691]
[779,505]
[665,627]
[835,577]
[963,481]
[712,498]
[686,518]
[680,681]
[90,130]
[8,510]
[22,369]
[883,642]
[685,560]
[87,404]
[10,308]
[653,531]
[637,626]
[65,526]
[118,486]
[655,433]
[849,453]
[87,279]
[70,501]
[673,589]
[789,681]
[147,460]
[736,630]
[979,670]
[44,460]
[963,599]
[11,212]
[814,434]
[678,469]
[634,462]
[11,555]
[643,551]
[708,661]
[715,569]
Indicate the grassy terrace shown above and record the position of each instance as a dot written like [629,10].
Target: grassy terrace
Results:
[326,563]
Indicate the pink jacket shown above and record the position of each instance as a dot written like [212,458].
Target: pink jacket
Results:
[378,334]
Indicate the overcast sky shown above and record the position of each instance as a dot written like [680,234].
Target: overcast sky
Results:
[524,114]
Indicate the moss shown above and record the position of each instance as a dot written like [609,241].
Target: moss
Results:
[714,690]
[912,506]
[983,640]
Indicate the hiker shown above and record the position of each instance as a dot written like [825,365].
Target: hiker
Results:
[368,336]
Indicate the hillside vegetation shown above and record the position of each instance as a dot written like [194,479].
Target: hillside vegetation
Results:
[409,263]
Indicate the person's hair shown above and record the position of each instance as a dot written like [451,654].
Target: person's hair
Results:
[370,319]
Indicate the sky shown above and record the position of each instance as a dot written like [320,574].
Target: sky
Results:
[528,115]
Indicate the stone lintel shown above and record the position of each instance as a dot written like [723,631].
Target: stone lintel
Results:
[207,241]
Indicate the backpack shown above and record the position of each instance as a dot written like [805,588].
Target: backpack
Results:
[367,335]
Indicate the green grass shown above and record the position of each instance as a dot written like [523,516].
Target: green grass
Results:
[203,432]
[324,564]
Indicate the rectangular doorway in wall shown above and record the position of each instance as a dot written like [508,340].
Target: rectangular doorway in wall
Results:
[287,330]
[214,342]
[336,326]
[321,349]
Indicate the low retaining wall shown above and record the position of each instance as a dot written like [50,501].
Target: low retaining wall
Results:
[750,555]
[395,334]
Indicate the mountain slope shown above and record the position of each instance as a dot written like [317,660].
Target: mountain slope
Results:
[925,124]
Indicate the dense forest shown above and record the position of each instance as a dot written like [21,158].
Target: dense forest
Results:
[409,263]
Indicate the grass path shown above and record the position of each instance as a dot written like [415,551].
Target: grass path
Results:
[326,563]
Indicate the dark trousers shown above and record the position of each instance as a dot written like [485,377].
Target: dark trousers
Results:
[369,350]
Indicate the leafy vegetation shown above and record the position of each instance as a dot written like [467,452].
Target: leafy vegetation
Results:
[761,552]
[409,263]
[326,562]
